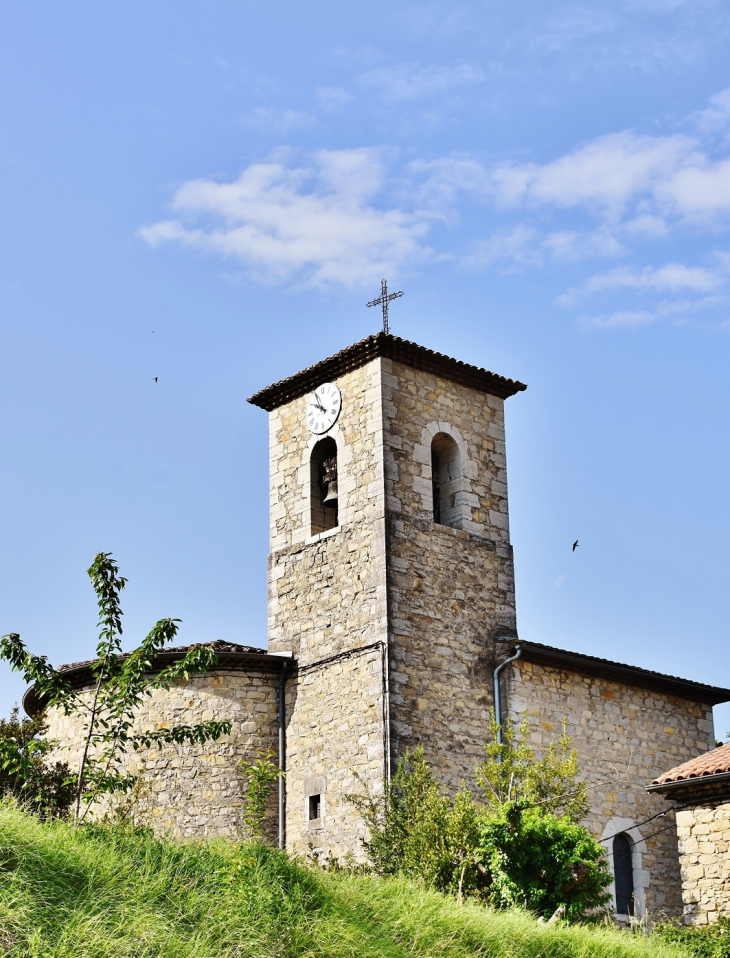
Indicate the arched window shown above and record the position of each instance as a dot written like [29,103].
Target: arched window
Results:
[623,875]
[446,479]
[323,485]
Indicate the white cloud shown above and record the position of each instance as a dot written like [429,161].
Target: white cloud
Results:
[518,247]
[677,311]
[627,318]
[671,278]
[573,245]
[317,222]
[409,81]
[604,175]
[631,178]
[523,245]
[716,117]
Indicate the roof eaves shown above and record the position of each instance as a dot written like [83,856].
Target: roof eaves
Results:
[80,673]
[688,783]
[389,347]
[643,678]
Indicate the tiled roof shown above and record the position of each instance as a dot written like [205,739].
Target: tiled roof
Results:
[716,762]
[217,645]
[618,671]
[230,655]
[390,347]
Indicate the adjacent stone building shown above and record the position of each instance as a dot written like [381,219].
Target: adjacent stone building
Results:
[391,602]
[700,790]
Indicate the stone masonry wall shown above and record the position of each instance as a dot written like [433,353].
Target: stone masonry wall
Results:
[704,855]
[450,590]
[196,790]
[327,591]
[625,737]
[327,599]
[334,732]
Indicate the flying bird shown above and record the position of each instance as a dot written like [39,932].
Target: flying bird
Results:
[575,544]
[155,379]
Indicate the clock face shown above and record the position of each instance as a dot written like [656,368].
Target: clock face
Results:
[323,408]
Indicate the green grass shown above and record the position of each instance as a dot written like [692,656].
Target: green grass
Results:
[101,892]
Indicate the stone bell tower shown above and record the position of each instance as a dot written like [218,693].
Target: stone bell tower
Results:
[390,571]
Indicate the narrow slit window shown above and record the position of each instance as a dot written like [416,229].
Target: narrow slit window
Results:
[446,481]
[315,808]
[623,871]
[324,486]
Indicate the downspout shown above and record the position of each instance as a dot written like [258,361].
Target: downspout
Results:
[497,700]
[282,751]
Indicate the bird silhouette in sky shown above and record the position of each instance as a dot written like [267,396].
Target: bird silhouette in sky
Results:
[155,379]
[575,544]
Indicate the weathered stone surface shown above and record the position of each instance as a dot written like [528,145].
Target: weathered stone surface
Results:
[196,790]
[704,834]
[450,590]
[625,737]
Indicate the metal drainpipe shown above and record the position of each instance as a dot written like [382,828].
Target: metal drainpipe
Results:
[497,702]
[282,749]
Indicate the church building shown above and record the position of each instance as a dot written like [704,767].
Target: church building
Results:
[392,624]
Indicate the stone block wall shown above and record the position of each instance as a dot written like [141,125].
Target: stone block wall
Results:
[704,854]
[625,737]
[450,590]
[327,605]
[335,732]
[196,790]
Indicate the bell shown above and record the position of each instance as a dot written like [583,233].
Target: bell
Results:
[331,492]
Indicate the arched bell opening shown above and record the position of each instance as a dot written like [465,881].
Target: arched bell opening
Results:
[446,480]
[323,486]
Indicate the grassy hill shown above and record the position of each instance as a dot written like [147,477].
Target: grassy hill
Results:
[101,892]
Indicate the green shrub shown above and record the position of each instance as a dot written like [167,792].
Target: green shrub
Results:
[260,778]
[25,773]
[523,846]
[702,941]
[539,861]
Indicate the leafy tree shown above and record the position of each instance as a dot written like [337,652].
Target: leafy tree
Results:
[47,787]
[416,830]
[539,861]
[260,777]
[523,846]
[121,682]
[531,842]
[510,772]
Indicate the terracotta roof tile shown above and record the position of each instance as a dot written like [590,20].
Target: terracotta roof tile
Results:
[711,763]
[217,645]
[390,347]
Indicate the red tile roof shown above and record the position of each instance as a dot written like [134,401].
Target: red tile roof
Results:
[711,763]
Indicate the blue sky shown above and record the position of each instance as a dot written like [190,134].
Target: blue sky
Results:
[209,194]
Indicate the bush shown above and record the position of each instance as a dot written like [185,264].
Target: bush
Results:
[523,846]
[539,861]
[45,787]
[702,941]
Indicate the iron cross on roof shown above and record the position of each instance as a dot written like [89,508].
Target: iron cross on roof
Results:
[383,301]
